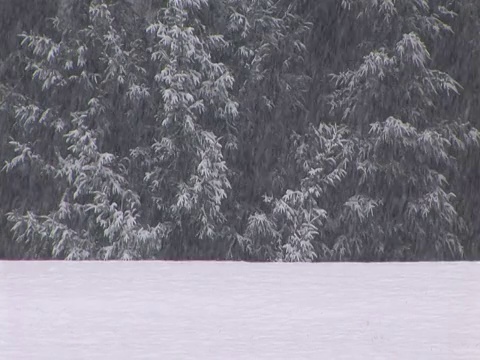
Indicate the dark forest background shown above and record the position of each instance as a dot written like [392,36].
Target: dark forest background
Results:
[259,130]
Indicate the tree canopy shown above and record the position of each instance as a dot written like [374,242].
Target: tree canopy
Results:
[248,130]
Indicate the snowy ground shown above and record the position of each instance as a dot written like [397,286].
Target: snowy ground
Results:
[164,310]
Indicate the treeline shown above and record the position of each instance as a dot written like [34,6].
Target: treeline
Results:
[254,130]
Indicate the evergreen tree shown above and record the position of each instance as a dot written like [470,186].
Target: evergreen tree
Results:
[457,53]
[67,130]
[15,16]
[401,206]
[187,175]
[236,129]
[267,57]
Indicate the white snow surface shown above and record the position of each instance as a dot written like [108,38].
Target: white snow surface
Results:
[227,310]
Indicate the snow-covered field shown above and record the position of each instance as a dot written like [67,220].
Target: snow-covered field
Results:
[198,310]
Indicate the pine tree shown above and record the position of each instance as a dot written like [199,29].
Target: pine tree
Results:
[267,57]
[187,175]
[67,132]
[301,216]
[401,206]
[234,129]
[458,53]
[15,16]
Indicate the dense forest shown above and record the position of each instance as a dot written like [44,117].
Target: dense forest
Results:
[257,130]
